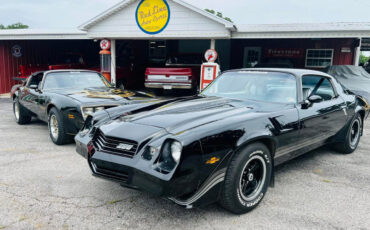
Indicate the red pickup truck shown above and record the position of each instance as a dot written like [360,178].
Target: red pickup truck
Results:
[181,72]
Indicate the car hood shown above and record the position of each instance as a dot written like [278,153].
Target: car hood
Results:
[105,96]
[186,113]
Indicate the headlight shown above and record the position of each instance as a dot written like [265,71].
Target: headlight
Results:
[99,109]
[169,157]
[149,153]
[176,149]
[86,111]
[87,126]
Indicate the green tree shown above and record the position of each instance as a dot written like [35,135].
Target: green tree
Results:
[17,25]
[364,59]
[218,14]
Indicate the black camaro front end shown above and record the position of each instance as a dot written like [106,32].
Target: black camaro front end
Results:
[143,157]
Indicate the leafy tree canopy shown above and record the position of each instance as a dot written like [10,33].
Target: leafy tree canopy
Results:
[218,14]
[17,25]
[364,59]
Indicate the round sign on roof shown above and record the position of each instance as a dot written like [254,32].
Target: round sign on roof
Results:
[16,51]
[211,55]
[105,44]
[153,16]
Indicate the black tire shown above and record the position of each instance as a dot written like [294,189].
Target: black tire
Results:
[20,113]
[57,129]
[251,167]
[351,137]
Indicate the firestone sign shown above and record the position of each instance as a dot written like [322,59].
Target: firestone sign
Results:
[285,52]
[153,16]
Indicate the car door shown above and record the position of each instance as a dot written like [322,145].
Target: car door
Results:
[320,120]
[30,93]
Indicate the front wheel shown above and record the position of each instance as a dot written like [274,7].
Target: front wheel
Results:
[56,128]
[352,136]
[20,114]
[247,179]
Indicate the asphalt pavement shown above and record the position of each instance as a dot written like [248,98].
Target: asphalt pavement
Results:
[44,186]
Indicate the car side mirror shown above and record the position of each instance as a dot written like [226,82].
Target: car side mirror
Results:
[33,87]
[311,100]
[315,99]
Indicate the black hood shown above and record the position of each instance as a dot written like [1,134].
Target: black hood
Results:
[186,113]
[104,95]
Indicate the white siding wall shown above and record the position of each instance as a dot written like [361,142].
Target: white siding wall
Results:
[184,23]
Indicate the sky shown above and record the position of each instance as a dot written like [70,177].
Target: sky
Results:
[46,14]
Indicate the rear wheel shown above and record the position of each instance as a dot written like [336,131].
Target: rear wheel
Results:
[56,128]
[352,136]
[247,179]
[20,114]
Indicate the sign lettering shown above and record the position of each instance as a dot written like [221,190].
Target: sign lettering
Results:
[153,16]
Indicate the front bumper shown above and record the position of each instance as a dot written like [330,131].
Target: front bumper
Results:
[131,172]
[183,189]
[168,85]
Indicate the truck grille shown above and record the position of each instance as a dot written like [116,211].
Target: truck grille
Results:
[115,146]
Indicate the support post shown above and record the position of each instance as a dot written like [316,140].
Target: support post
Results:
[356,60]
[113,61]
[213,44]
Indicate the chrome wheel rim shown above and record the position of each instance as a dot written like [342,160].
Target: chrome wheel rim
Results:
[355,133]
[16,111]
[53,125]
[252,178]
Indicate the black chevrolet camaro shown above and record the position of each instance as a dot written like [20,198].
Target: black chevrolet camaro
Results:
[64,98]
[222,145]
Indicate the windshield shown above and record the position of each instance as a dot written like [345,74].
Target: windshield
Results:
[253,85]
[75,80]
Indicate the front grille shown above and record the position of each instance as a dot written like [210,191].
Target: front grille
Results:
[109,145]
[121,176]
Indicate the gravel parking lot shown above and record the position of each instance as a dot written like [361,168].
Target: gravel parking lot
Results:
[44,186]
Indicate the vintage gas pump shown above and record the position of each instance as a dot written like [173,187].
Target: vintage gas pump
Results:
[105,59]
[209,70]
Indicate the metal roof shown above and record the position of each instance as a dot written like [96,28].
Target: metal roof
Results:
[304,27]
[42,34]
[304,30]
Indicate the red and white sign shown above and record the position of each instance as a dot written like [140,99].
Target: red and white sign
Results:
[284,52]
[211,55]
[105,44]
[209,72]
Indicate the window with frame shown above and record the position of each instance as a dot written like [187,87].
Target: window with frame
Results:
[319,58]
[317,85]
[35,79]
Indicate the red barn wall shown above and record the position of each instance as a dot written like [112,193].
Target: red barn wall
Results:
[40,52]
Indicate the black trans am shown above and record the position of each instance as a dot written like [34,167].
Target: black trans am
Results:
[64,98]
[222,145]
